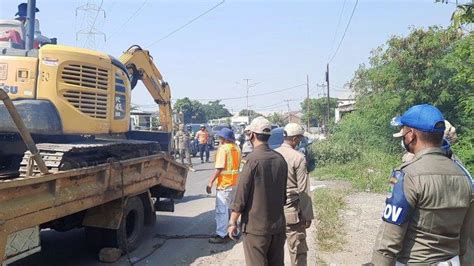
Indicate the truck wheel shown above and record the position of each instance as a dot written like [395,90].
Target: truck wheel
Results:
[131,227]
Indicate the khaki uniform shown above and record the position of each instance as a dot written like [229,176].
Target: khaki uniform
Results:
[298,208]
[260,197]
[183,139]
[437,220]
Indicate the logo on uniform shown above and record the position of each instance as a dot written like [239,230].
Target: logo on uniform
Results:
[392,213]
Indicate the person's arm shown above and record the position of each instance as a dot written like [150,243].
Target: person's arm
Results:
[232,227]
[467,231]
[397,212]
[213,178]
[303,183]
[244,187]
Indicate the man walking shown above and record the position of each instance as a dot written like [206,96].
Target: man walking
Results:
[203,136]
[429,215]
[227,172]
[298,207]
[183,141]
[260,197]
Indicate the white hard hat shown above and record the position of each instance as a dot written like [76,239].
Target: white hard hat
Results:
[260,125]
[293,129]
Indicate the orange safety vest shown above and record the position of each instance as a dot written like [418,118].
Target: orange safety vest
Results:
[202,136]
[229,175]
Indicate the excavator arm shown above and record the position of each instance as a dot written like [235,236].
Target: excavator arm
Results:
[140,66]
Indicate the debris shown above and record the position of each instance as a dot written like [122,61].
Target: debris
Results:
[110,254]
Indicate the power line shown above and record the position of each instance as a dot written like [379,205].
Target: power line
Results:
[128,19]
[254,95]
[186,24]
[337,28]
[345,31]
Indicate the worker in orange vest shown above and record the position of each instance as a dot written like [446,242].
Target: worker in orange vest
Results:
[203,136]
[227,171]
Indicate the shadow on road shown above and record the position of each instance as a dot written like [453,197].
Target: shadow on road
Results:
[70,248]
[193,197]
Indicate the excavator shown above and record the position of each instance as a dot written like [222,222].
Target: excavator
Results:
[74,102]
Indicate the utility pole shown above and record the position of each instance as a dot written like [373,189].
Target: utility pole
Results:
[307,102]
[247,87]
[288,105]
[327,83]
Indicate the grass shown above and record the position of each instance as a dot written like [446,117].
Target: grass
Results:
[367,173]
[329,232]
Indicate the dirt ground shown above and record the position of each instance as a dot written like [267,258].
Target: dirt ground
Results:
[361,216]
[362,219]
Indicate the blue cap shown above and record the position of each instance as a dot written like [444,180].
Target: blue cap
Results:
[22,10]
[226,133]
[423,117]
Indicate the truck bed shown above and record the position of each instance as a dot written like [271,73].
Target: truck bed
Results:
[32,201]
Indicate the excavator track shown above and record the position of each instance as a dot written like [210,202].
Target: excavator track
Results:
[62,157]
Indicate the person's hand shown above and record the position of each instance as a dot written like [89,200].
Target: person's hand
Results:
[209,188]
[232,231]
[307,224]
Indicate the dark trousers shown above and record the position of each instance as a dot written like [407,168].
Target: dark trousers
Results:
[264,250]
[204,148]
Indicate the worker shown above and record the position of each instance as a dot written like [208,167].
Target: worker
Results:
[183,141]
[203,137]
[429,214]
[247,146]
[227,171]
[259,199]
[22,12]
[450,137]
[298,207]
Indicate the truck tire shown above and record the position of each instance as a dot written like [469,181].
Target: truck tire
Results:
[129,234]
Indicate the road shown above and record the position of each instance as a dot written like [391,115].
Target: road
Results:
[194,214]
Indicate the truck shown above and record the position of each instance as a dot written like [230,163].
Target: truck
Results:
[68,156]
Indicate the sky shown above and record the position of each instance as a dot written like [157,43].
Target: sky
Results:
[275,44]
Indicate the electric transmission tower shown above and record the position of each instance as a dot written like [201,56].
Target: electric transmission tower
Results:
[89,33]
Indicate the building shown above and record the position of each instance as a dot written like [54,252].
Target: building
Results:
[344,107]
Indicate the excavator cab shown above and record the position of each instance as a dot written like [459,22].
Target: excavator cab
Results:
[70,96]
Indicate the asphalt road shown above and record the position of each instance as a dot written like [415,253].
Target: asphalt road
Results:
[194,214]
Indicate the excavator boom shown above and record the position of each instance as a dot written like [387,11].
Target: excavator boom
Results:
[139,64]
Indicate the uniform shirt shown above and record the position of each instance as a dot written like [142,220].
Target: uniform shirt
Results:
[202,136]
[441,213]
[261,192]
[298,205]
[183,139]
[225,163]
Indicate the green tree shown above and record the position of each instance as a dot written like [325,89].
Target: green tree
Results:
[317,110]
[463,15]
[277,118]
[193,111]
[251,113]
[215,110]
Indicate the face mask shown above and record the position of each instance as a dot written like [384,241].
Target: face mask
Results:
[406,146]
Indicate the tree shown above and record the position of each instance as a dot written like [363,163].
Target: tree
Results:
[463,15]
[193,111]
[215,110]
[251,113]
[277,118]
[318,110]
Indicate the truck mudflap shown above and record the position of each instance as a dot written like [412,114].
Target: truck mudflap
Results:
[21,244]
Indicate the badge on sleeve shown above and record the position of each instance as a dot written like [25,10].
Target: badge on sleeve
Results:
[397,209]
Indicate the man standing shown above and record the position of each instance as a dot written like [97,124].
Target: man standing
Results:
[183,142]
[429,215]
[246,146]
[203,136]
[260,197]
[227,172]
[298,207]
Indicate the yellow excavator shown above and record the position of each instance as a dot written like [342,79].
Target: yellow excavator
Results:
[75,102]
